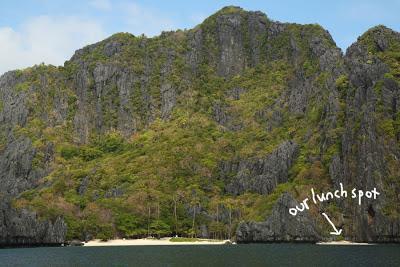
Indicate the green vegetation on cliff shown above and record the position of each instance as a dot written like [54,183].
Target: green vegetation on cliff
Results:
[190,132]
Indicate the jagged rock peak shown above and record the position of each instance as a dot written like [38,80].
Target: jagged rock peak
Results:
[377,39]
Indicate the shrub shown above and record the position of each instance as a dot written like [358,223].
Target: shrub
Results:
[127,224]
[89,153]
[68,152]
[106,232]
[387,127]
[159,228]
[112,142]
[22,87]
[342,82]
[74,227]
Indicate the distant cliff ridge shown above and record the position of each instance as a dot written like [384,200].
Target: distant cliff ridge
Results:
[211,132]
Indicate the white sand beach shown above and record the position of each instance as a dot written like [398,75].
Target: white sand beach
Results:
[344,243]
[151,241]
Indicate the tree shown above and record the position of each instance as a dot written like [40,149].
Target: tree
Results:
[216,227]
[127,224]
[229,204]
[176,198]
[195,198]
[159,228]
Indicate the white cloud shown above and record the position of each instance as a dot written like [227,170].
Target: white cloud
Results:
[47,39]
[101,4]
[144,20]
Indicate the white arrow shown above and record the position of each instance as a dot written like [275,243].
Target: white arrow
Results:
[334,227]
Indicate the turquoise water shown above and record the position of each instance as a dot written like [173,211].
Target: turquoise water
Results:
[236,255]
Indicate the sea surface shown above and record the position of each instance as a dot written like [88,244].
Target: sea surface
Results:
[207,255]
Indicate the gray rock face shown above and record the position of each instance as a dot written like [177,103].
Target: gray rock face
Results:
[280,226]
[14,110]
[270,117]
[233,51]
[114,192]
[303,87]
[16,167]
[365,162]
[231,58]
[22,227]
[260,175]
[18,173]
[83,186]
[108,105]
[113,96]
[235,93]
[225,118]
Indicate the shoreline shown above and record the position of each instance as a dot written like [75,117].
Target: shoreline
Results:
[152,242]
[343,243]
[166,241]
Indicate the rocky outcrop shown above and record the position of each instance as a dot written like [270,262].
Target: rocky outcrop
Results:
[280,226]
[368,152]
[225,45]
[260,175]
[368,155]
[231,45]
[18,172]
[224,117]
[24,228]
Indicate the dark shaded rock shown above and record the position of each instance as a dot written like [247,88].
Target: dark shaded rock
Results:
[112,48]
[225,118]
[280,226]
[168,96]
[260,175]
[83,186]
[270,117]
[235,93]
[114,192]
[230,40]
[75,243]
[365,162]
[24,228]
[231,50]
[14,110]
[220,115]
[18,172]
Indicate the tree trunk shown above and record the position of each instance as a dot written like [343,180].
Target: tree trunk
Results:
[230,223]
[217,230]
[175,216]
[194,219]
[148,221]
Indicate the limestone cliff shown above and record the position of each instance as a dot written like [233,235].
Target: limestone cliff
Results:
[201,132]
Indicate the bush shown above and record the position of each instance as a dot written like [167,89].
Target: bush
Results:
[112,142]
[22,87]
[127,224]
[89,153]
[342,82]
[68,152]
[159,228]
[74,228]
[387,127]
[106,232]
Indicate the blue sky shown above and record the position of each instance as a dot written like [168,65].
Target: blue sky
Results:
[49,31]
